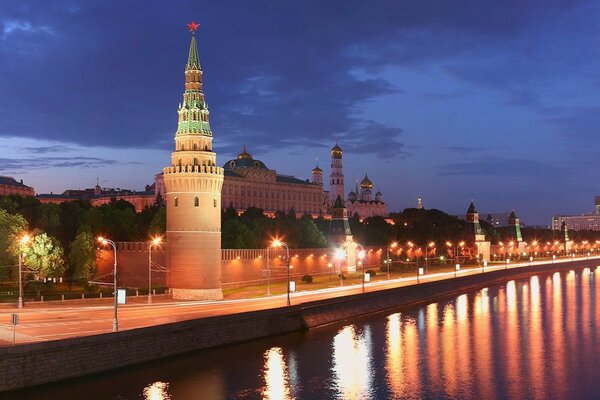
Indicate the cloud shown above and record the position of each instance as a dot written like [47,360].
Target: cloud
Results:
[578,124]
[14,26]
[58,148]
[502,167]
[23,165]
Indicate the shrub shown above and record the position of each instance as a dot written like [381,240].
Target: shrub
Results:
[307,279]
[371,272]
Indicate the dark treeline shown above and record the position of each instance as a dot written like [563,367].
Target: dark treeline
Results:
[252,229]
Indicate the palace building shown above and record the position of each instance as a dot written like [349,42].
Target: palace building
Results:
[10,186]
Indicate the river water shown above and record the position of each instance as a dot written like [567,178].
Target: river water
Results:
[533,338]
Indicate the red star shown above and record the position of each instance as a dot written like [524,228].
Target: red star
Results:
[193,27]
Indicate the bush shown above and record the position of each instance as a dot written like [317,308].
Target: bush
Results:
[307,279]
[371,272]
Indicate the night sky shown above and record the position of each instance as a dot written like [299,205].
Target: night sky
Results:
[493,101]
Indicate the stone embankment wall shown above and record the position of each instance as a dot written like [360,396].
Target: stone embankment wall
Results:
[39,363]
[238,266]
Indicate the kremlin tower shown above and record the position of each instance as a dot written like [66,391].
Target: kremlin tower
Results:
[336,178]
[193,185]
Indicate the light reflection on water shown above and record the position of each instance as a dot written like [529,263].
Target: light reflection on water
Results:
[534,337]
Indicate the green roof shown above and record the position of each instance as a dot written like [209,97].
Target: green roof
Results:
[193,59]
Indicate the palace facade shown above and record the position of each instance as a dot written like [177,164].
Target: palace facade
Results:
[10,186]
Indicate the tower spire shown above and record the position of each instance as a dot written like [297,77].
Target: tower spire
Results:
[193,62]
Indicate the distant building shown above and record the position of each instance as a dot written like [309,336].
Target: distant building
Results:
[10,186]
[98,196]
[498,220]
[584,222]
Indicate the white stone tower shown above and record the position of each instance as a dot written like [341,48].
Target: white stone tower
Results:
[336,178]
[193,185]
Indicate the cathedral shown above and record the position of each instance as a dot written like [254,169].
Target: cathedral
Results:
[359,201]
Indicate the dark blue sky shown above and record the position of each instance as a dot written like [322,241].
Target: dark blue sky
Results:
[492,101]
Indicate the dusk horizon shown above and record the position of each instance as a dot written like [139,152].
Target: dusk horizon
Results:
[490,103]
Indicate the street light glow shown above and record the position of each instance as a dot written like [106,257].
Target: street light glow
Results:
[25,239]
[340,254]
[276,243]
[156,241]
[361,254]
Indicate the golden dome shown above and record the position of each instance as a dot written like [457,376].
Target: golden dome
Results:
[366,183]
[317,170]
[244,155]
[336,151]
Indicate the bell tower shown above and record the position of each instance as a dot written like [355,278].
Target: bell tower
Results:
[193,185]
[336,178]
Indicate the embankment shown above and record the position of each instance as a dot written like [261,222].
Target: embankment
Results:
[39,363]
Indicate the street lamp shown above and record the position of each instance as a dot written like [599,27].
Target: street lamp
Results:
[279,243]
[340,254]
[393,245]
[430,245]
[104,242]
[154,242]
[23,242]
[361,256]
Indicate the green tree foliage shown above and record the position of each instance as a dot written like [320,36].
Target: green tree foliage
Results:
[48,218]
[310,234]
[82,256]
[236,235]
[12,227]
[45,256]
[158,223]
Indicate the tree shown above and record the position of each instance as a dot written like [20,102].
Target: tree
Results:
[12,226]
[82,256]
[158,224]
[311,235]
[45,256]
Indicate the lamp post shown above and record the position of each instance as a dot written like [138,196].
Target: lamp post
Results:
[268,273]
[105,241]
[361,256]
[23,241]
[279,243]
[339,255]
[154,242]
[388,259]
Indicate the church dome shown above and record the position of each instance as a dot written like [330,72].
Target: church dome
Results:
[244,160]
[336,151]
[244,154]
[366,183]
[352,196]
[317,170]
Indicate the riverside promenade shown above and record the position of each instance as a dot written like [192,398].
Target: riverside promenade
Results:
[47,321]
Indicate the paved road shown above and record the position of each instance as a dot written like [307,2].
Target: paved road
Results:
[41,322]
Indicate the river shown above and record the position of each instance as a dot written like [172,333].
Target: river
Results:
[533,338]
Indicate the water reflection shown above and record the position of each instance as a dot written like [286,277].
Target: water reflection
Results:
[157,391]
[533,337]
[352,370]
[276,376]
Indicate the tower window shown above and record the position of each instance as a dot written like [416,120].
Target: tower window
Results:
[214,202]
[176,201]
[195,146]
[196,202]
[195,161]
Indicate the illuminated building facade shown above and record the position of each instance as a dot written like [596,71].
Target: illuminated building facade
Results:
[10,186]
